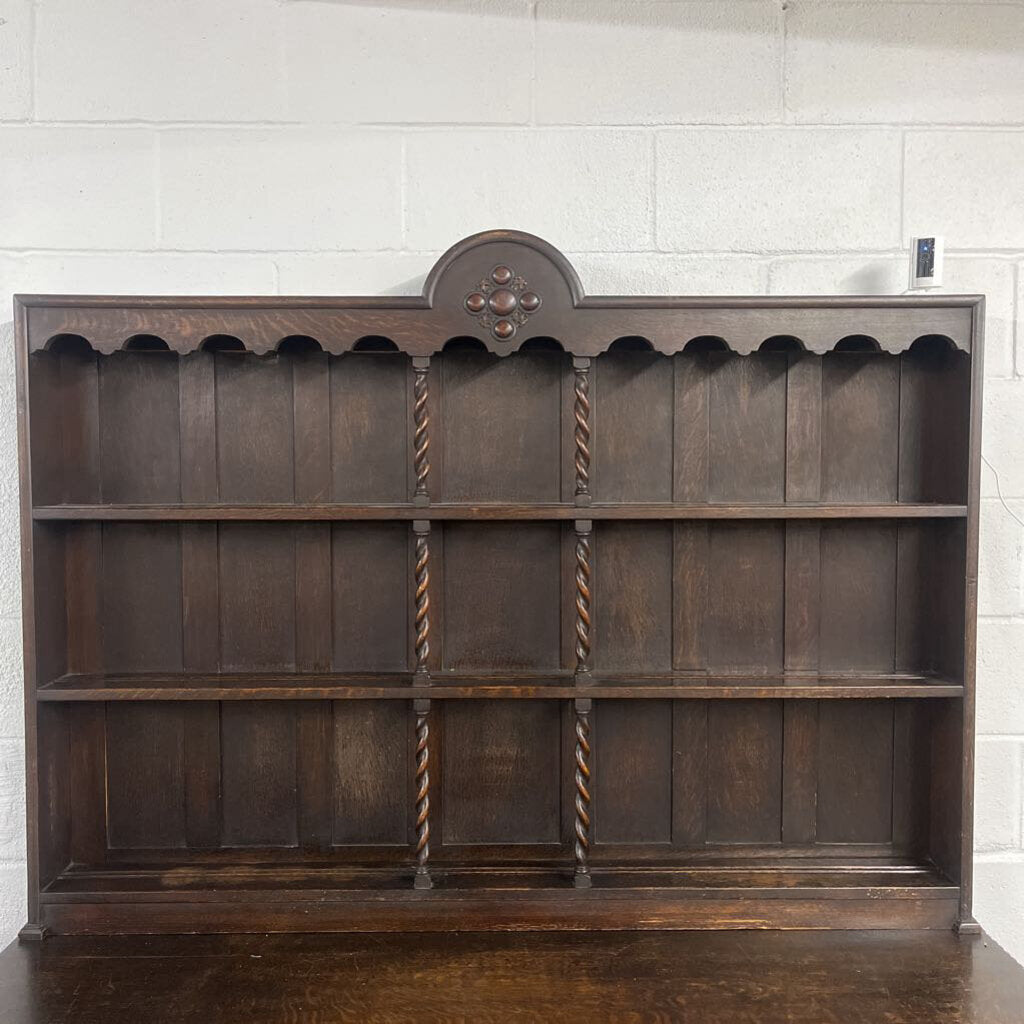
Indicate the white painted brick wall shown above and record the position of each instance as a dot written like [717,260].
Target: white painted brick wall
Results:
[707,146]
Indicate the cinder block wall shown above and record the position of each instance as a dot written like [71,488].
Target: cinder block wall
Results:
[298,146]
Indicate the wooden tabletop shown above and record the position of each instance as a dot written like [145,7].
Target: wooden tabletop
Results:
[699,977]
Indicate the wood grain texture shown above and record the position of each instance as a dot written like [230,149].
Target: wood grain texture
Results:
[670,600]
[744,977]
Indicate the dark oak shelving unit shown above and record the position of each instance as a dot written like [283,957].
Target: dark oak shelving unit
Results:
[502,607]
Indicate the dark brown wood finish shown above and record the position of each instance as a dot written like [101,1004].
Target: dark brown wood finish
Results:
[502,607]
[739,977]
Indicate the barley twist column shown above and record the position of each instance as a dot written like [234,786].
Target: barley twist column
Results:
[581,847]
[421,429]
[581,432]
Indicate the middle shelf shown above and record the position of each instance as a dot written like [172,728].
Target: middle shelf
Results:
[297,512]
[77,687]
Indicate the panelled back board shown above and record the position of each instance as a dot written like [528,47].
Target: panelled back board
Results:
[502,607]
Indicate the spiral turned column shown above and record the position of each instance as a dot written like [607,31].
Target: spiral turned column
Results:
[584,528]
[421,429]
[421,530]
[581,431]
[421,706]
[422,711]
[581,846]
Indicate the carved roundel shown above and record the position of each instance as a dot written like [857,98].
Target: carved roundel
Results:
[502,302]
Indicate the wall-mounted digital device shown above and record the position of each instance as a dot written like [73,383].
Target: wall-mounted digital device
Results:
[926,261]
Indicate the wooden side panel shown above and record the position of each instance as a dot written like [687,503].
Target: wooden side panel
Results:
[858,596]
[633,771]
[632,438]
[501,598]
[860,421]
[141,612]
[255,446]
[367,428]
[258,773]
[855,771]
[501,772]
[745,771]
[140,452]
[371,772]
[632,607]
[748,428]
[370,596]
[145,776]
[746,617]
[500,425]
[257,596]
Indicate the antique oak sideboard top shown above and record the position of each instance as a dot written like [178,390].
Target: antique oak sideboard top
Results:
[500,607]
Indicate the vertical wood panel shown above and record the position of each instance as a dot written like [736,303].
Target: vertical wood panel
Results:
[201,653]
[140,451]
[502,596]
[748,428]
[257,596]
[198,427]
[799,771]
[255,446]
[88,773]
[80,417]
[691,431]
[858,596]
[312,427]
[745,624]
[632,442]
[803,596]
[911,755]
[259,771]
[54,789]
[141,597]
[500,773]
[935,395]
[633,597]
[690,595]
[83,559]
[369,443]
[501,425]
[745,771]
[803,428]
[371,769]
[860,427]
[201,724]
[632,771]
[689,772]
[145,775]
[370,588]
[855,771]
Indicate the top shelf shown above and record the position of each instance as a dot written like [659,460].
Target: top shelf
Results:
[442,511]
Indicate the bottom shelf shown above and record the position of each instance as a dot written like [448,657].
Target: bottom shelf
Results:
[804,893]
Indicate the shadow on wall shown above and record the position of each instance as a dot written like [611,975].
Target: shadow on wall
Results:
[933,33]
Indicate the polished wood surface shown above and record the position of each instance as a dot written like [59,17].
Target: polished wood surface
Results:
[501,607]
[735,977]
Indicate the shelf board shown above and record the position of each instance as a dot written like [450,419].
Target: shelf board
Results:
[460,686]
[744,878]
[527,511]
